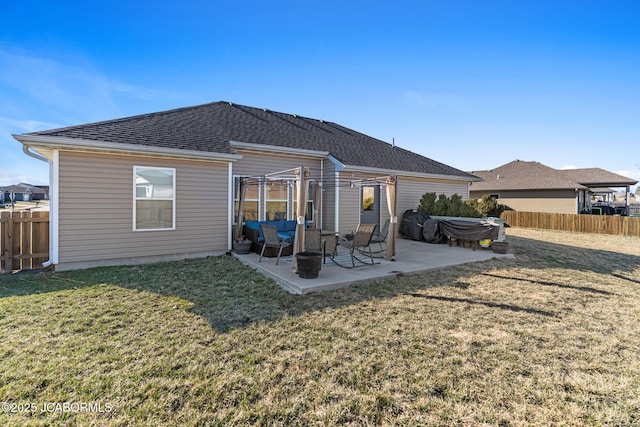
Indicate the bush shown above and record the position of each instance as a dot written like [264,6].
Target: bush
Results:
[489,206]
[444,206]
[441,205]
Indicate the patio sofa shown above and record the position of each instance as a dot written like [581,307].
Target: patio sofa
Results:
[286,230]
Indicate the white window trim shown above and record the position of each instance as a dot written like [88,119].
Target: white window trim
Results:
[172,199]
[288,200]
[260,200]
[294,199]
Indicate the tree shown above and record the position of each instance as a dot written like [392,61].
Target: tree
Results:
[489,206]
[427,203]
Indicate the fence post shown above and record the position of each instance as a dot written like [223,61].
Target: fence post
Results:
[7,241]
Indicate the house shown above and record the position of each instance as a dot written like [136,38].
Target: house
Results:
[534,187]
[169,181]
[24,192]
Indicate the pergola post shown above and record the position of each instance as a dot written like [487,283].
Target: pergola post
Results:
[302,177]
[390,253]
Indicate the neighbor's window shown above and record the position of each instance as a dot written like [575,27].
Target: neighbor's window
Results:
[155,198]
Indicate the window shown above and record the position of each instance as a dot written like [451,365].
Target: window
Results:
[368,198]
[154,198]
[277,197]
[251,200]
[309,213]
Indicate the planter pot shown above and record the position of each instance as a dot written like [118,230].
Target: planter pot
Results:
[500,247]
[309,264]
[242,247]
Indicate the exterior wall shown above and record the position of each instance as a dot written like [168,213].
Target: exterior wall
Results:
[258,164]
[552,201]
[96,211]
[349,213]
[329,192]
[408,194]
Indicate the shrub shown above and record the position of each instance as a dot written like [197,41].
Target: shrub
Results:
[442,205]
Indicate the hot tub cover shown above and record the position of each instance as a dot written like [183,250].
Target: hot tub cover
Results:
[469,230]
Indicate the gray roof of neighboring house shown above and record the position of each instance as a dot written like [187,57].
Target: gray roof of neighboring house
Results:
[211,127]
[523,175]
[596,177]
[26,188]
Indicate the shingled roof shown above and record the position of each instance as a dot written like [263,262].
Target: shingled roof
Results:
[213,127]
[596,177]
[523,175]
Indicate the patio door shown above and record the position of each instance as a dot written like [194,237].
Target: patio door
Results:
[370,205]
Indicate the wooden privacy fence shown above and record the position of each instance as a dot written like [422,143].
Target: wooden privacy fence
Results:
[24,240]
[603,224]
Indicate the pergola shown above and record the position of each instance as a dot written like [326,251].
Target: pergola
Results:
[300,176]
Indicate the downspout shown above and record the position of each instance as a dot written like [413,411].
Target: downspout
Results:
[231,205]
[54,205]
[53,202]
[25,149]
[336,208]
[321,198]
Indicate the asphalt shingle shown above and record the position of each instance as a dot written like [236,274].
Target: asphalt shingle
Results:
[211,128]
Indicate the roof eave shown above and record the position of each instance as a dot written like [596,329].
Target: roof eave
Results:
[265,148]
[76,144]
[382,171]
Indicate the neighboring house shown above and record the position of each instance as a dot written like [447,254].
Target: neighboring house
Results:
[168,181]
[534,187]
[24,192]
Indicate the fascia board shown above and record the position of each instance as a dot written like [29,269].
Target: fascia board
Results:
[264,148]
[51,142]
[379,171]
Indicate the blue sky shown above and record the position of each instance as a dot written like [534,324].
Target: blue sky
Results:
[473,84]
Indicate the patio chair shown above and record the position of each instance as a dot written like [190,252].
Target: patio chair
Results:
[272,240]
[361,242]
[313,240]
[381,237]
[330,248]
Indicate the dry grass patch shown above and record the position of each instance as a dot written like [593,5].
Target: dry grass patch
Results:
[551,338]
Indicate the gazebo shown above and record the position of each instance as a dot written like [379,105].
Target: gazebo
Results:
[300,177]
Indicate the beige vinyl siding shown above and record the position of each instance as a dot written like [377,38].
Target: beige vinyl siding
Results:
[329,197]
[96,210]
[260,164]
[349,215]
[410,191]
[551,201]
[351,203]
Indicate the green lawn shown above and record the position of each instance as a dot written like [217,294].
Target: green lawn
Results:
[551,338]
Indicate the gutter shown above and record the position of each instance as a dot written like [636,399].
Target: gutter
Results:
[264,148]
[120,148]
[25,149]
[341,167]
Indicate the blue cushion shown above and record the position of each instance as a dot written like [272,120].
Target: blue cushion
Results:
[290,226]
[255,225]
[287,236]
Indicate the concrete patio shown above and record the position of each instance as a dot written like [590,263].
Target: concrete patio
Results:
[412,257]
